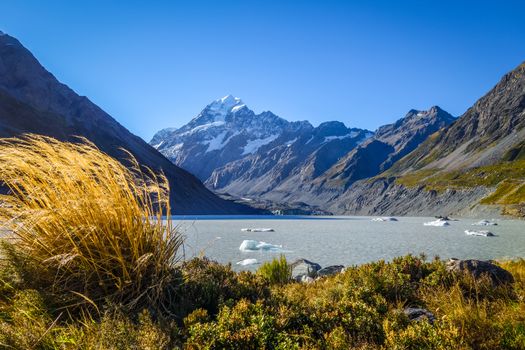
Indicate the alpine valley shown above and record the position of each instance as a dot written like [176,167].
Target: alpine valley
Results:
[425,163]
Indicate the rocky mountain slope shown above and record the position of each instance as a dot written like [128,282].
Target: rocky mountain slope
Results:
[370,158]
[32,100]
[389,144]
[245,154]
[484,133]
[474,165]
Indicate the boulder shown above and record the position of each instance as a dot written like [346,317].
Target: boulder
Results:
[479,268]
[330,270]
[418,314]
[304,267]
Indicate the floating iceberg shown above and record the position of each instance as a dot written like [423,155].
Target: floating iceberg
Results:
[485,223]
[437,223]
[479,233]
[262,229]
[384,219]
[247,262]
[249,245]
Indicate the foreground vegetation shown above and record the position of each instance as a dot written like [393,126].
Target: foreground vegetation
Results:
[217,308]
[86,269]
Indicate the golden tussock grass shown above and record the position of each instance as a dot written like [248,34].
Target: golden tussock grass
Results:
[92,226]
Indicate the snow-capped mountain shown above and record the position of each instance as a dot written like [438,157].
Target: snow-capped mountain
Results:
[227,145]
[326,170]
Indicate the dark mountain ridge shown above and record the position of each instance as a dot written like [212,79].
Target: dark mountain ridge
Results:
[32,100]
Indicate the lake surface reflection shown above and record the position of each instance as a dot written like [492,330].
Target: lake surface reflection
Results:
[346,240]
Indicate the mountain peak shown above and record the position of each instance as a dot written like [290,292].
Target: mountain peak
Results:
[415,120]
[332,128]
[434,111]
[229,99]
[225,105]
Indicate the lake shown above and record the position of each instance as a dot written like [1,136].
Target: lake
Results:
[346,240]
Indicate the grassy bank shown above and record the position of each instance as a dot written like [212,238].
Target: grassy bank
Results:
[86,269]
[508,179]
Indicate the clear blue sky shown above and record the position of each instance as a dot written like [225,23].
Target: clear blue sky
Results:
[155,64]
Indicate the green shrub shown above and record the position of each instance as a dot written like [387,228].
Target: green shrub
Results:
[276,271]
[424,336]
[245,326]
[208,285]
[513,337]
[26,323]
[116,331]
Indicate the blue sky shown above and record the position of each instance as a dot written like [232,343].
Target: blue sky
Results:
[157,64]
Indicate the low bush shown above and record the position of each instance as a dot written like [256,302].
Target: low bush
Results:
[361,308]
[208,285]
[276,271]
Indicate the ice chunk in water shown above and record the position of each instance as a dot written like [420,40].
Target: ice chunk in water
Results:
[479,233]
[257,229]
[485,223]
[386,218]
[251,245]
[247,262]
[438,223]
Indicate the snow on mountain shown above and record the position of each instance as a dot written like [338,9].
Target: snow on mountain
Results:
[225,105]
[262,156]
[225,130]
[253,145]
[228,146]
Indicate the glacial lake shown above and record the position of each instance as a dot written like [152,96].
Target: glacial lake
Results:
[345,240]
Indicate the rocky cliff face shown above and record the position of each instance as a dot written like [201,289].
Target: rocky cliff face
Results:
[32,100]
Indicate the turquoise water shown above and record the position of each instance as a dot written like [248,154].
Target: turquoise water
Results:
[346,240]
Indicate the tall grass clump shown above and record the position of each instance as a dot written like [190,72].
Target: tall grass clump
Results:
[277,271]
[89,228]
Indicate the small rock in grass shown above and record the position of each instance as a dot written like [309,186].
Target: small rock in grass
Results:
[418,314]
